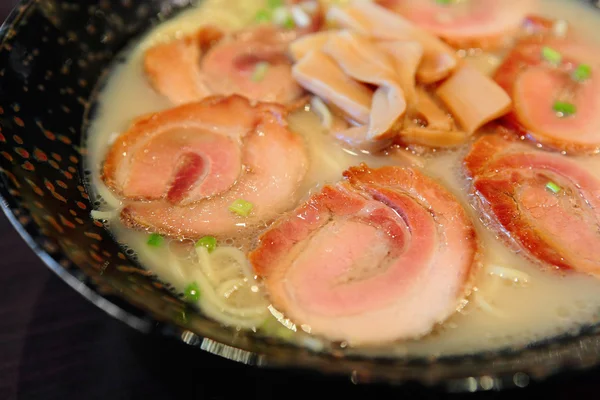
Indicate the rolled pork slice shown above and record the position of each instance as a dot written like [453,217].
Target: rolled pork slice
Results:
[180,170]
[467,24]
[537,85]
[173,68]
[384,255]
[544,203]
[253,63]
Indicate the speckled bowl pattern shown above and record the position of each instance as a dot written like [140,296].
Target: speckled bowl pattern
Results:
[54,57]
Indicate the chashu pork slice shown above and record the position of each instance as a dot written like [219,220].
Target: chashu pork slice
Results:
[384,255]
[180,169]
[544,203]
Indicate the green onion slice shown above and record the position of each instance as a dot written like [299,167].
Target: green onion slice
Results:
[192,292]
[553,187]
[551,55]
[274,4]
[283,17]
[444,2]
[155,240]
[582,72]
[210,242]
[263,16]
[564,108]
[241,207]
[260,71]
[289,23]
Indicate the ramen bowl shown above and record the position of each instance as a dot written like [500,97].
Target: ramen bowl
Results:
[54,58]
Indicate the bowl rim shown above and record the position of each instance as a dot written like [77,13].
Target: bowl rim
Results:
[110,308]
[503,376]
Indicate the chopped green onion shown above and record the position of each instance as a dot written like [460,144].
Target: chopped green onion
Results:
[210,242]
[241,207]
[582,72]
[553,187]
[155,240]
[260,71]
[281,16]
[263,16]
[192,292]
[564,108]
[289,23]
[444,2]
[274,3]
[551,55]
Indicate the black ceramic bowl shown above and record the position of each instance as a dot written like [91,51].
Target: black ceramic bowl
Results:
[53,57]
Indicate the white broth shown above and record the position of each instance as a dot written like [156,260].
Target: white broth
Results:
[514,303]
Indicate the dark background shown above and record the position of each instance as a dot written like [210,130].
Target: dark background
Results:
[54,344]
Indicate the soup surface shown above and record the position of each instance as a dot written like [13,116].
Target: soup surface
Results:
[513,301]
